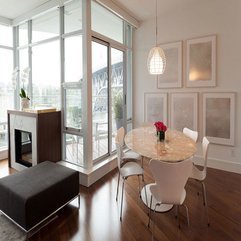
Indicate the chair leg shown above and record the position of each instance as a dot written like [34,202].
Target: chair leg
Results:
[149,213]
[139,185]
[117,189]
[122,199]
[144,185]
[187,213]
[205,201]
[176,211]
[153,229]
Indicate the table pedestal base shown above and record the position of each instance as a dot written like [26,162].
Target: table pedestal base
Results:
[160,208]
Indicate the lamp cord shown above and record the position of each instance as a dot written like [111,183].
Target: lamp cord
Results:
[156,23]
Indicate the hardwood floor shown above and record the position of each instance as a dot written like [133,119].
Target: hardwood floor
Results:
[98,216]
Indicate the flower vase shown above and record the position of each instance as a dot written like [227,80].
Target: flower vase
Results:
[24,103]
[161,136]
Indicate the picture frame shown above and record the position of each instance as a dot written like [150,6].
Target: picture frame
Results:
[184,111]
[172,76]
[219,117]
[201,62]
[155,107]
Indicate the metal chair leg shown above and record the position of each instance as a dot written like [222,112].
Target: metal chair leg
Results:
[79,201]
[117,189]
[139,185]
[149,213]
[187,213]
[122,199]
[205,201]
[144,186]
[153,229]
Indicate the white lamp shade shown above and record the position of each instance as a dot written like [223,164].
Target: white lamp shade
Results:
[156,61]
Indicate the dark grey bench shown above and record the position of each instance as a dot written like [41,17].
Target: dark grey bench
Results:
[29,197]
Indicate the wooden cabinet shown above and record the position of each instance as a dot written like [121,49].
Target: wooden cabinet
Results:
[43,131]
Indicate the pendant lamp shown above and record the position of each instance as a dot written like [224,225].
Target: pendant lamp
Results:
[156,61]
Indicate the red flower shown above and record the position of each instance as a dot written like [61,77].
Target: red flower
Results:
[160,126]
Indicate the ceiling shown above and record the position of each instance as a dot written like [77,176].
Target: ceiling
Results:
[139,9]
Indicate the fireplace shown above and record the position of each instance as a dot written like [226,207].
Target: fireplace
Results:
[23,147]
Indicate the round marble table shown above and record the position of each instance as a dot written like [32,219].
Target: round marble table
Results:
[175,148]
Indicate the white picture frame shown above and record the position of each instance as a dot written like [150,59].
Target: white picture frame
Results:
[184,111]
[172,76]
[155,107]
[201,62]
[219,117]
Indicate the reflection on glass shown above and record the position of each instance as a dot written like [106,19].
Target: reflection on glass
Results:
[73,108]
[74,149]
[100,99]
[23,59]
[73,59]
[6,34]
[106,23]
[23,34]
[46,74]
[6,92]
[73,16]
[117,91]
[46,26]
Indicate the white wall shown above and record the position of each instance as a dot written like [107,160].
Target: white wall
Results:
[202,18]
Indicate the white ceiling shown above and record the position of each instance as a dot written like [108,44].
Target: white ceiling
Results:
[139,9]
[15,8]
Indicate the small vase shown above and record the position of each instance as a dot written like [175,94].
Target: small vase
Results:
[24,103]
[161,136]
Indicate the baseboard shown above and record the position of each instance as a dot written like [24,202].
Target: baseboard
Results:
[90,176]
[87,177]
[3,154]
[220,164]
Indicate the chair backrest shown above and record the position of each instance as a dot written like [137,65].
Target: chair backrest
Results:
[171,179]
[190,133]
[119,141]
[205,145]
[120,136]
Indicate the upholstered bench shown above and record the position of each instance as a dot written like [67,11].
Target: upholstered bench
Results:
[29,197]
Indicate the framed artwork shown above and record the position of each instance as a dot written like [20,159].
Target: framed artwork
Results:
[155,107]
[201,62]
[218,117]
[184,111]
[172,76]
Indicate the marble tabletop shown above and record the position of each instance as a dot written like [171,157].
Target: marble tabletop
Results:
[176,146]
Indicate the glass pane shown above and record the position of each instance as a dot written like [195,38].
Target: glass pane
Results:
[117,57]
[23,59]
[73,108]
[46,74]
[73,16]
[23,34]
[6,35]
[45,26]
[73,59]
[129,86]
[100,99]
[106,23]
[6,92]
[74,149]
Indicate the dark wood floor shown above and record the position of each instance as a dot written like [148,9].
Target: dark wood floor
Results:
[98,216]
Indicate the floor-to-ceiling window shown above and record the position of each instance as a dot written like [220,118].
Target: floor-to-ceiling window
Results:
[52,46]
[7,82]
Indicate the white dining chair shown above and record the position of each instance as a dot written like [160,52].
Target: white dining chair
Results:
[126,169]
[129,155]
[200,175]
[190,133]
[170,179]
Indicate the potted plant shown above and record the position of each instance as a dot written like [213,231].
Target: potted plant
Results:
[24,99]
[118,109]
